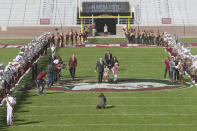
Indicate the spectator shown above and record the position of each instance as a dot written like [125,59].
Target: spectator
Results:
[167,67]
[176,75]
[50,74]
[172,69]
[40,82]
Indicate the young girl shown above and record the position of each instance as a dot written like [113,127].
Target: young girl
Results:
[115,71]
[106,73]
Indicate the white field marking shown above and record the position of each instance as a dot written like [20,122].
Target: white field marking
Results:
[66,125]
[58,115]
[124,98]
[76,106]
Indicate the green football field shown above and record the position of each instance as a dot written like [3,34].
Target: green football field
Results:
[167,110]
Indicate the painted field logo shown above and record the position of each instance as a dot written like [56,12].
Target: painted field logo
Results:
[121,85]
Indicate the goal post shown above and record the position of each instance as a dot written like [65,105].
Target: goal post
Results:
[80,4]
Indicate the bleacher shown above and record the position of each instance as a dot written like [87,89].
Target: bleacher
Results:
[5,7]
[64,12]
[29,12]
[152,11]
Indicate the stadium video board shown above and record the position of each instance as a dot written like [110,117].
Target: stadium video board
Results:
[105,8]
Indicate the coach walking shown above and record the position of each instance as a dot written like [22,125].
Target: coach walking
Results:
[100,67]
[72,66]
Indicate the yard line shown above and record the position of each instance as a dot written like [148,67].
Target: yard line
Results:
[65,125]
[126,98]
[76,106]
[57,115]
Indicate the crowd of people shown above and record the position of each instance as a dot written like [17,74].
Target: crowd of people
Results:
[26,57]
[181,60]
[144,37]
[55,65]
[69,38]
[14,71]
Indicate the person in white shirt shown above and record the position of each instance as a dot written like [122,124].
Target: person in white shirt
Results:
[10,101]
[53,49]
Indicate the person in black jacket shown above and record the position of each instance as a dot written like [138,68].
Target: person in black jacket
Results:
[101,101]
[100,67]
[34,71]
[108,58]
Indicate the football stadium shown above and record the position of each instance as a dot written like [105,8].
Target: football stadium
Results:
[98,65]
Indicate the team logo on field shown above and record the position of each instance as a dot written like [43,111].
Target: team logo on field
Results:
[121,85]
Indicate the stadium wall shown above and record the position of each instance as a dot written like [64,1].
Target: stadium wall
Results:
[35,31]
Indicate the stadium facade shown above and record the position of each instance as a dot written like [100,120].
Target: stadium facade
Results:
[66,13]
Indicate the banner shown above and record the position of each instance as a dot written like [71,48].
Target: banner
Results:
[166,21]
[44,21]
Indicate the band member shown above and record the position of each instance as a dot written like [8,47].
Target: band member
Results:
[58,39]
[52,40]
[72,66]
[84,36]
[61,40]
[76,35]
[10,108]
[157,39]
[80,36]
[67,38]
[71,37]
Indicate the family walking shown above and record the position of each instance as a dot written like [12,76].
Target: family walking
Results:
[104,68]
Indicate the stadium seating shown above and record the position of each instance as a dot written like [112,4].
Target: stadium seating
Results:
[152,11]
[64,12]
[5,7]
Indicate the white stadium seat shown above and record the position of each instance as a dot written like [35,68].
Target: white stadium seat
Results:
[64,12]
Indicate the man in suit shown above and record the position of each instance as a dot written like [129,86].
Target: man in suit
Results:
[108,58]
[100,67]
